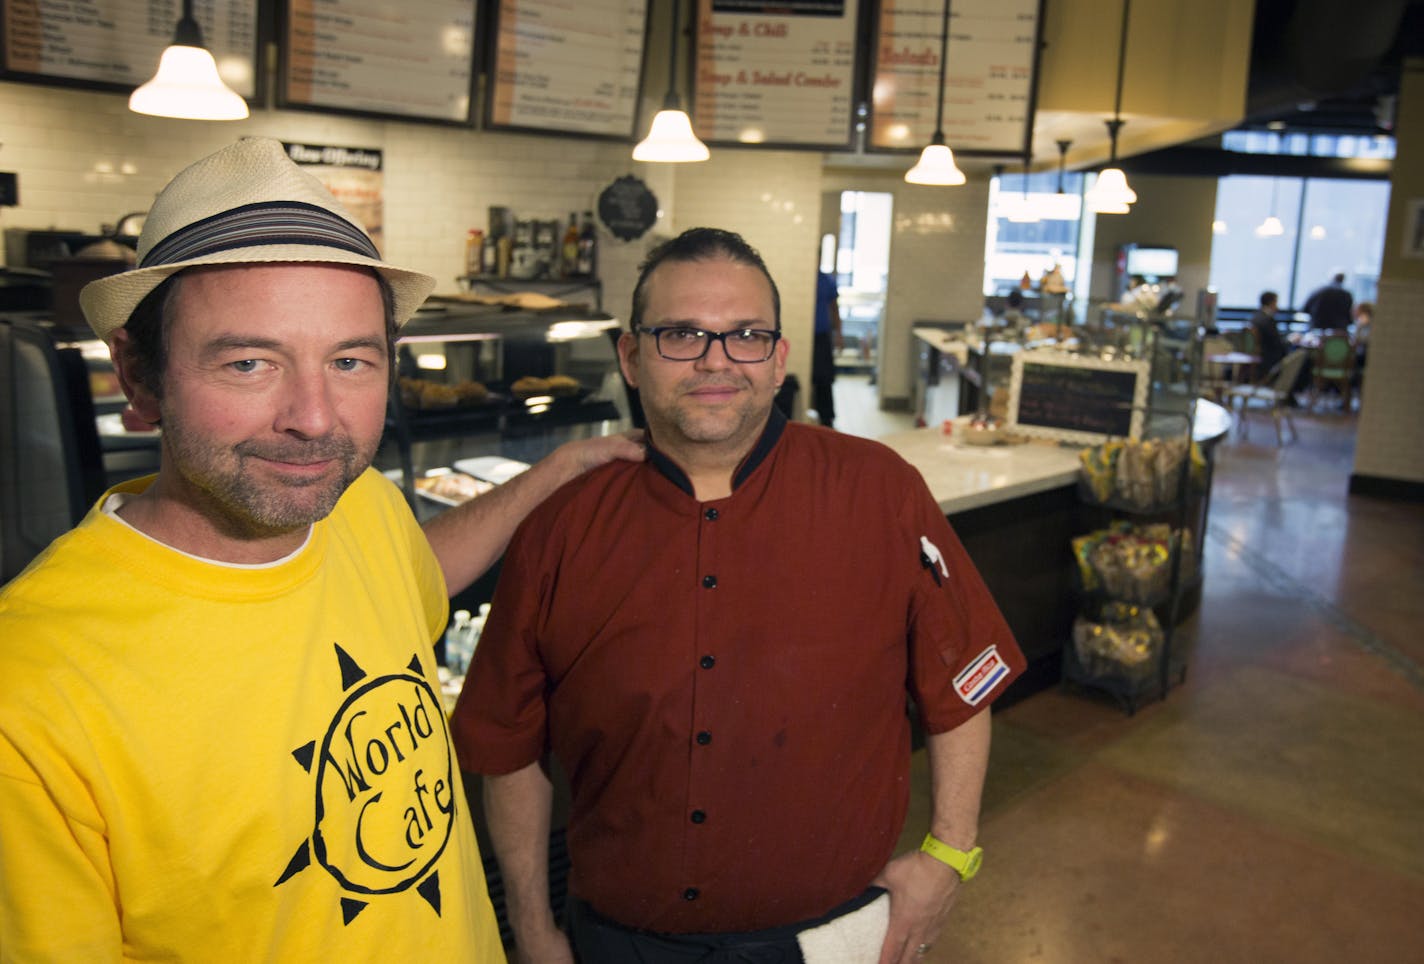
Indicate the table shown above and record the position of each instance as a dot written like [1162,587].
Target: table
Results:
[1238,364]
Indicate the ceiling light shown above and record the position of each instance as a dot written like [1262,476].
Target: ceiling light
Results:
[936,165]
[1059,206]
[1027,213]
[187,85]
[1271,227]
[1111,195]
[670,139]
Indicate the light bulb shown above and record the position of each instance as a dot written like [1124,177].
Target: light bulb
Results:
[936,166]
[187,86]
[670,140]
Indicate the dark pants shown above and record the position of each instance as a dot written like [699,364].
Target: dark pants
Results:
[823,374]
[598,940]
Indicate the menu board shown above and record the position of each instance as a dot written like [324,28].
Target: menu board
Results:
[412,60]
[116,44]
[988,83]
[780,72]
[1073,398]
[568,65]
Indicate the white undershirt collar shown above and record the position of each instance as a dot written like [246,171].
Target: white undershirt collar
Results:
[116,500]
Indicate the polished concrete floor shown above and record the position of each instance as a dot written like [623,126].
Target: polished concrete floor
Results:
[1272,807]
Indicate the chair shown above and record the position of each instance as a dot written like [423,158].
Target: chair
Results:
[1333,364]
[1246,341]
[1214,381]
[51,464]
[1273,391]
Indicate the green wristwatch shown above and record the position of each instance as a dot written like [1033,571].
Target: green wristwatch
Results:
[966,865]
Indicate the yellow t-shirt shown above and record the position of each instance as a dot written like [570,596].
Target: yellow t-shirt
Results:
[202,762]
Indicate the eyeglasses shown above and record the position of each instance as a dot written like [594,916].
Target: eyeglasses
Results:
[743,345]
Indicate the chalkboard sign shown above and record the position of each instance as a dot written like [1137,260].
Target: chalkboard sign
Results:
[627,208]
[1077,399]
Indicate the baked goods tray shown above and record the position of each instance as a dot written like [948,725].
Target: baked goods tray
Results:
[445,486]
[493,469]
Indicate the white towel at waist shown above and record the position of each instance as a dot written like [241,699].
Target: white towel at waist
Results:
[854,938]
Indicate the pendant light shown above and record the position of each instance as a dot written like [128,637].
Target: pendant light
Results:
[1060,206]
[670,139]
[936,165]
[1062,160]
[1025,213]
[187,85]
[1111,195]
[1271,227]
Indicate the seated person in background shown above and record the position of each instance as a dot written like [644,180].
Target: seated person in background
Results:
[1269,343]
[1364,316]
[1014,318]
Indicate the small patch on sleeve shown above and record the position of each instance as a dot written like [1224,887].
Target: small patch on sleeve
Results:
[978,679]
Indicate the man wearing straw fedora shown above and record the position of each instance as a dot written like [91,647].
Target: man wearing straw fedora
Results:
[220,732]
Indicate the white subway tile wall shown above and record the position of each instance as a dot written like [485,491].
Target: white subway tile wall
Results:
[84,160]
[1390,443]
[773,200]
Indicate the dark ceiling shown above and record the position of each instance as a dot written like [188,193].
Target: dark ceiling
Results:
[1331,65]
[1317,66]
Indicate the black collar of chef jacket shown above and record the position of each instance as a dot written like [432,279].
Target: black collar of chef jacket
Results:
[775,425]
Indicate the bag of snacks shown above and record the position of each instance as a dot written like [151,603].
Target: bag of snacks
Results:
[1124,643]
[1143,475]
[1127,562]
[1098,470]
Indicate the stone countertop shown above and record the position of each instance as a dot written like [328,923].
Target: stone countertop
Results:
[963,477]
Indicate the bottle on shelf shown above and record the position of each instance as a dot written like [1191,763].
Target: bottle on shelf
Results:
[569,252]
[474,251]
[489,256]
[456,636]
[477,626]
[504,249]
[586,262]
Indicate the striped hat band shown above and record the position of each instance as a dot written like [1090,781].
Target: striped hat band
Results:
[262,223]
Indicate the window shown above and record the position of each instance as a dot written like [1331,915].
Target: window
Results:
[862,266]
[1016,245]
[1326,226]
[1313,145]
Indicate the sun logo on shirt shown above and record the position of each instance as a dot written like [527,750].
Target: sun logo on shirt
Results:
[385,789]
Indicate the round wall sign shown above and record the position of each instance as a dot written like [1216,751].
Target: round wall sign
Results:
[627,208]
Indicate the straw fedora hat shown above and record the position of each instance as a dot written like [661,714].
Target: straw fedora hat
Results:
[248,203]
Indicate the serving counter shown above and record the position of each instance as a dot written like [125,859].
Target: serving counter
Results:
[1016,509]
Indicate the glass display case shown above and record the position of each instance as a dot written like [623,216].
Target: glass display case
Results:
[486,381]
